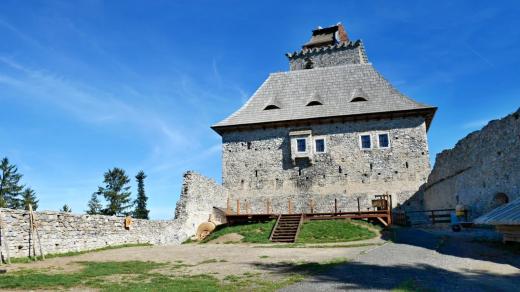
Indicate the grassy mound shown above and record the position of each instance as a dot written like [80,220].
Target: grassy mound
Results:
[312,232]
[322,231]
[253,232]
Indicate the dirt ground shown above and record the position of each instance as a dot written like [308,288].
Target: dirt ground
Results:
[219,260]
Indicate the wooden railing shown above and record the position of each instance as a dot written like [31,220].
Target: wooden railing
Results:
[435,216]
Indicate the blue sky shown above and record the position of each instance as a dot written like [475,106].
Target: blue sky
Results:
[89,85]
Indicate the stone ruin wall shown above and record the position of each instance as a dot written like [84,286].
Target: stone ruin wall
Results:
[345,172]
[64,232]
[481,166]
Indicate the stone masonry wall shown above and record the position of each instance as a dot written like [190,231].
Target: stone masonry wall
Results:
[257,166]
[63,232]
[478,169]
[198,197]
[334,57]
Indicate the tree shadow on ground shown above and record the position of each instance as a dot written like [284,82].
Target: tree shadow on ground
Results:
[360,276]
[463,247]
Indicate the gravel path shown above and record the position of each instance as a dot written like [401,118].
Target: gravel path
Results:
[431,261]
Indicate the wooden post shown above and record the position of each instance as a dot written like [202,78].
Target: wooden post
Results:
[269,206]
[335,205]
[289,206]
[312,206]
[35,230]
[358,206]
[389,209]
[228,206]
[238,207]
[31,234]
[1,240]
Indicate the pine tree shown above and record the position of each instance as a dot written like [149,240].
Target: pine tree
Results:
[10,189]
[66,208]
[140,210]
[116,192]
[94,206]
[29,198]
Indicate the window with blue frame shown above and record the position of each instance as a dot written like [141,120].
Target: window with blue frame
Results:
[384,141]
[366,143]
[301,145]
[319,145]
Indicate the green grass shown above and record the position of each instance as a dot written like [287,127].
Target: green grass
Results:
[253,232]
[149,276]
[75,253]
[138,276]
[31,279]
[321,231]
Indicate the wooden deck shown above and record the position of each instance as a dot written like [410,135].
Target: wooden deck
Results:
[383,216]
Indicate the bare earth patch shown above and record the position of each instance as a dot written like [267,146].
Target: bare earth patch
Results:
[219,260]
[228,238]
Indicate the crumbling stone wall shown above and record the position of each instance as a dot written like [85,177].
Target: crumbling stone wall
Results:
[198,197]
[257,166]
[479,170]
[63,232]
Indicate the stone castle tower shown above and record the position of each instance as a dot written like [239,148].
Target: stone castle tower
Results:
[330,128]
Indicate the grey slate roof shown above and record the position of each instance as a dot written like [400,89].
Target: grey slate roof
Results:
[508,214]
[335,87]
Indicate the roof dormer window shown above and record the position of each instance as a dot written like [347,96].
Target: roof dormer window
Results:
[272,104]
[359,98]
[358,95]
[314,99]
[314,102]
[271,107]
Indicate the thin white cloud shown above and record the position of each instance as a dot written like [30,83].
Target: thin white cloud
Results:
[476,124]
[87,104]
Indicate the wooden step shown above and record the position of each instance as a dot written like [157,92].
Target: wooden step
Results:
[286,228]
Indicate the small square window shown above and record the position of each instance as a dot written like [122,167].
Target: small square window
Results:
[320,145]
[301,145]
[383,141]
[366,143]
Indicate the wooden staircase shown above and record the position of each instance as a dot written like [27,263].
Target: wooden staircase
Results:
[286,228]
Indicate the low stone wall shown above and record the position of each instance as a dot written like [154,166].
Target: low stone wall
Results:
[479,171]
[63,232]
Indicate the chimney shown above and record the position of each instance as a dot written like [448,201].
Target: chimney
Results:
[328,36]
